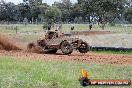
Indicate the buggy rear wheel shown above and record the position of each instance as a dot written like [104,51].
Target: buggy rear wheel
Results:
[66,48]
[84,47]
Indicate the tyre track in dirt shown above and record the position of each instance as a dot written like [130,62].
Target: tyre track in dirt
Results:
[75,57]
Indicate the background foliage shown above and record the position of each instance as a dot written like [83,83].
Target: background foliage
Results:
[101,11]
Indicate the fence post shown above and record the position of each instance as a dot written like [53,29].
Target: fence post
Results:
[16,29]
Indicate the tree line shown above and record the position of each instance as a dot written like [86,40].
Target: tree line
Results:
[90,11]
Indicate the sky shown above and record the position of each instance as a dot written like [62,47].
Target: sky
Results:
[50,2]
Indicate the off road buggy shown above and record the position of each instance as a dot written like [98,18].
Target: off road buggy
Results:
[54,41]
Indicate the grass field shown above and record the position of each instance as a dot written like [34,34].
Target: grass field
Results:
[33,32]
[114,52]
[34,73]
[65,27]
[27,73]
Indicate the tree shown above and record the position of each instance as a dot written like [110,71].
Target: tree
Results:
[42,9]
[66,8]
[2,10]
[104,10]
[53,15]
[35,11]
[77,12]
[11,11]
[24,11]
[8,11]
[128,14]
[129,3]
[109,10]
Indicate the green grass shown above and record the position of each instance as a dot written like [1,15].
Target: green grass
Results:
[83,27]
[26,73]
[65,27]
[21,28]
[113,52]
[32,31]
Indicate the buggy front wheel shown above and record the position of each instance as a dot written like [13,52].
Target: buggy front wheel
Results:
[66,48]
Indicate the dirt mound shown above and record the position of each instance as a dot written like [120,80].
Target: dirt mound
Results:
[8,44]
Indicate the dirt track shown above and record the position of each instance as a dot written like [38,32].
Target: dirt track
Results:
[75,56]
[91,32]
